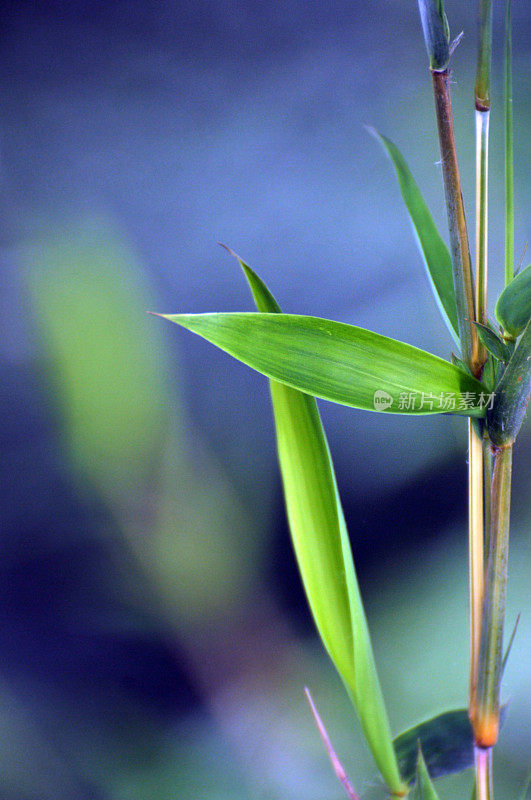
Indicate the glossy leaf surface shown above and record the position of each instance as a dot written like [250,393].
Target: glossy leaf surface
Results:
[435,255]
[340,362]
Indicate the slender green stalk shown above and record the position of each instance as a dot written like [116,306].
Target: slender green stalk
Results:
[461,266]
[486,719]
[483,763]
[479,464]
[509,180]
[475,555]
[482,186]
[482,86]
[487,481]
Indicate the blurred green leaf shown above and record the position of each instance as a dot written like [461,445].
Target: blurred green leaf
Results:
[123,424]
[435,255]
[513,309]
[112,394]
[337,362]
[494,343]
[424,789]
[447,745]
[322,547]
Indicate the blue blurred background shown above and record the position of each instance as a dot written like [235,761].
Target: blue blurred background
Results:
[154,638]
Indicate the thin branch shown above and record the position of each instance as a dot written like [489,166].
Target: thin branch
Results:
[338,768]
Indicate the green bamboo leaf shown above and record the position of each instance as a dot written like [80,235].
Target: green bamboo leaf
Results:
[341,362]
[513,309]
[435,255]
[494,343]
[424,789]
[447,745]
[322,548]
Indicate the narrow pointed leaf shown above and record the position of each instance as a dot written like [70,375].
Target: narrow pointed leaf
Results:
[513,309]
[322,548]
[424,788]
[435,255]
[494,344]
[340,362]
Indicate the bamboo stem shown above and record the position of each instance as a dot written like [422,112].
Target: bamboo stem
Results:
[486,717]
[482,84]
[483,764]
[482,186]
[487,482]
[461,265]
[475,554]
[509,179]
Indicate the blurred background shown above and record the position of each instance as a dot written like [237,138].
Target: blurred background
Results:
[154,638]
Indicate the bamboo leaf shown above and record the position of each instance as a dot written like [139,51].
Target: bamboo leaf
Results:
[340,362]
[494,343]
[424,789]
[447,745]
[435,255]
[322,548]
[513,309]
